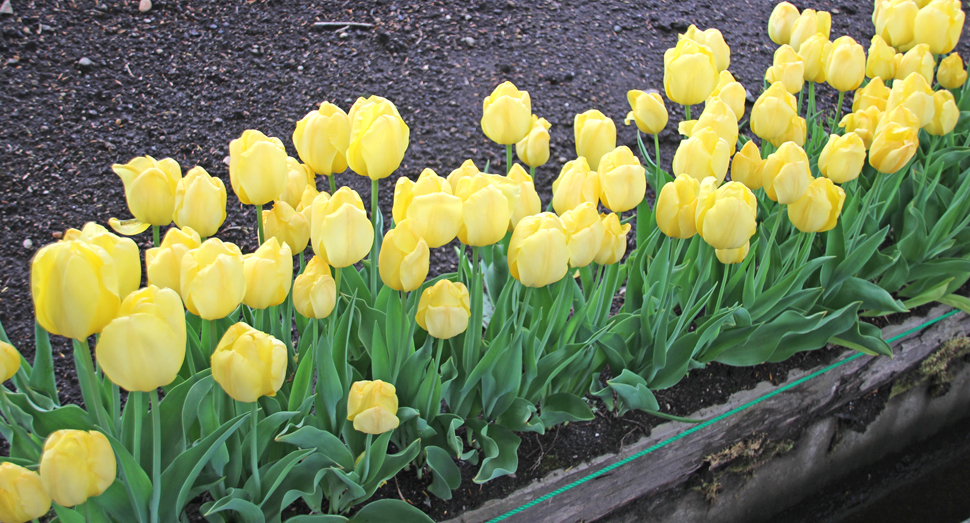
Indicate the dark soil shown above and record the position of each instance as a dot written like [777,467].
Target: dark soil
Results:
[88,83]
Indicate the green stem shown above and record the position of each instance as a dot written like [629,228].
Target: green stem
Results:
[213,335]
[333,183]
[810,111]
[687,112]
[116,403]
[253,409]
[532,173]
[156,456]
[137,402]
[377,234]
[508,159]
[461,264]
[801,95]
[155,235]
[838,113]
[724,282]
[259,224]
[84,351]
[302,265]
[336,302]
[656,161]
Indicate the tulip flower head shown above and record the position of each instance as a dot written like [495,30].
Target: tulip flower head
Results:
[372,406]
[781,22]
[288,226]
[917,60]
[340,233]
[939,25]
[845,64]
[690,72]
[163,264]
[773,112]
[576,184]
[819,208]
[507,114]
[812,51]
[431,207]
[862,123]
[538,251]
[314,291]
[468,168]
[528,202]
[731,92]
[786,173]
[915,94]
[874,94]
[9,361]
[595,136]
[269,274]
[622,180]
[584,234]
[808,24]
[22,494]
[76,465]
[150,188]
[212,278]
[717,116]
[444,309]
[945,115]
[713,40]
[725,217]
[676,207]
[703,155]
[842,157]
[613,246]
[882,60]
[299,176]
[747,166]
[533,150]
[378,138]
[321,139]
[647,110]
[249,363]
[895,22]
[797,133]
[733,256]
[404,259]
[200,202]
[893,147]
[788,68]
[485,211]
[123,251]
[257,168]
[952,74]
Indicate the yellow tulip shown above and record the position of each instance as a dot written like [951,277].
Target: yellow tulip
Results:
[951,73]
[299,176]
[731,92]
[538,252]
[436,217]
[123,251]
[945,116]
[22,494]
[703,155]
[862,123]
[485,211]
[143,348]
[808,24]
[917,60]
[257,168]
[725,218]
[507,114]
[613,246]
[901,115]
[796,133]
[690,72]
[939,24]
[163,264]
[812,51]
[874,94]
[732,256]
[444,309]
[533,150]
[882,60]
[595,136]
[819,208]
[676,207]
[74,286]
[773,112]
[200,202]
[622,180]
[915,94]
[842,157]
[306,202]
[314,291]
[269,274]
[647,110]
[845,64]
[321,139]
[212,279]
[584,234]
[404,258]
[405,190]
[576,184]
[287,226]
[895,22]
[528,202]
[786,173]
[714,40]
[150,188]
[340,233]
[747,166]
[9,361]
[719,117]
[248,363]
[76,465]
[781,22]
[893,148]
[510,189]
[372,406]
[467,168]
[788,68]
[378,138]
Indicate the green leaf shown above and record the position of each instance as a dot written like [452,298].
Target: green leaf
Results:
[67,515]
[246,511]
[518,416]
[957,301]
[134,480]
[633,391]
[872,296]
[42,373]
[328,445]
[446,474]
[302,381]
[933,294]
[563,407]
[387,510]
[865,338]
[278,471]
[500,447]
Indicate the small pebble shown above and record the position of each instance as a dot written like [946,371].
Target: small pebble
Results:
[28,244]
[6,8]
[562,159]
[617,29]
[84,62]
[299,68]
[145,5]
[469,41]
[344,35]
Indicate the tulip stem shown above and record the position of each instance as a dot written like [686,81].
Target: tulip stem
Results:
[259,224]
[801,95]
[687,112]
[136,400]
[508,159]
[156,456]
[838,113]
[253,414]
[810,110]
[333,183]
[302,268]
[155,234]
[83,351]
[532,173]
[336,301]
[720,292]
[377,234]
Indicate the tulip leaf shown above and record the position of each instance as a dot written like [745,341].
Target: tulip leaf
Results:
[389,466]
[446,476]
[266,430]
[839,320]
[42,373]
[633,392]
[317,518]
[46,421]
[277,472]
[66,515]
[193,400]
[932,294]
[872,296]
[865,338]
[136,487]
[500,447]
[328,445]
[518,416]
[302,381]
[956,301]
[563,407]
[246,511]
[380,359]
[384,510]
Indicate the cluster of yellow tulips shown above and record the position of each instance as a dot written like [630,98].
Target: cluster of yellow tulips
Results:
[316,412]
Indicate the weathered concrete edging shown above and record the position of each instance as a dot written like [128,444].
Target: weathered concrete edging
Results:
[782,415]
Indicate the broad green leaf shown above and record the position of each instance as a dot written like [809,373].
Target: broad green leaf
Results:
[446,474]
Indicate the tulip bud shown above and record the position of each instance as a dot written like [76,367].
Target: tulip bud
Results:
[895,22]
[731,92]
[719,117]
[690,72]
[436,217]
[76,465]
[212,278]
[732,256]
[796,133]
[945,116]
[200,202]
[528,202]
[773,112]
[900,115]
[372,406]
[781,22]
[726,217]
[893,147]
[340,233]
[9,361]
[622,180]
[584,234]
[150,188]
[257,168]
[917,60]
[874,94]
[485,211]
[845,64]
[787,174]
[819,208]
[882,61]
[249,363]
[747,165]
[939,25]
[951,73]
[714,40]
[314,291]
[404,258]
[143,348]
[163,264]
[467,168]
[306,202]
[808,24]
[703,155]
[510,189]
[321,139]
[123,251]
[533,150]
[595,136]
[507,114]
[811,52]
[913,93]
[647,110]
[862,123]
[287,226]
[378,138]
[22,494]
[444,309]
[405,190]
[538,253]
[299,176]
[614,240]
[676,207]
[74,285]
[788,68]
[576,184]
[842,157]
[269,274]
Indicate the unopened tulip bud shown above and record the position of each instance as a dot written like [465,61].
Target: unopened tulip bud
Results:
[781,22]
[299,176]
[257,168]
[613,246]
[845,64]
[842,157]
[444,309]
[819,208]
[538,252]
[150,188]
[893,147]
[9,361]
[404,258]
[507,114]
[584,234]
[647,110]
[321,139]
[200,202]
[163,264]
[468,168]
[797,133]
[77,465]
[622,180]
[726,217]
[732,256]
[485,211]
[341,234]
[808,24]
[862,123]
[773,112]
[951,73]
[939,25]
[22,494]
[882,61]
[747,165]
[690,72]
[915,94]
[372,406]
[917,60]
[378,138]
[895,21]
[314,291]
[287,226]
[676,207]
[248,363]
[731,92]
[945,116]
[788,68]
[812,52]
[714,40]
[874,94]
[703,155]
[533,150]
[212,279]
[123,251]
[595,136]
[528,202]
[787,174]
[269,274]
[576,184]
